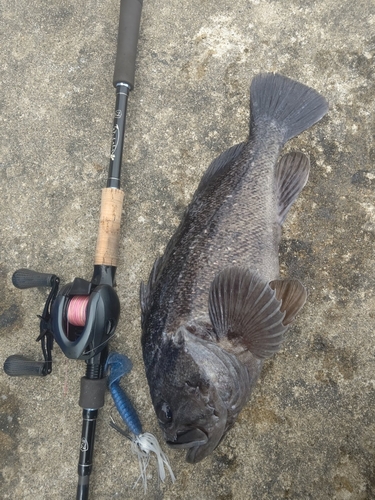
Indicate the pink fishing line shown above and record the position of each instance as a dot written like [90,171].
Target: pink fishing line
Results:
[77,310]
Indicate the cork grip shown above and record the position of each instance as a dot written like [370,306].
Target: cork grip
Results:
[109,227]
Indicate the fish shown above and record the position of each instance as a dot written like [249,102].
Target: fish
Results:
[214,307]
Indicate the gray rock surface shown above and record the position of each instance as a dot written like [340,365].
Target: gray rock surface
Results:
[309,431]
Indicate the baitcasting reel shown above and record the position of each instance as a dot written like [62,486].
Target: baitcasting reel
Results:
[82,318]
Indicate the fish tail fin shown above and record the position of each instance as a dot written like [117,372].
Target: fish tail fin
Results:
[289,105]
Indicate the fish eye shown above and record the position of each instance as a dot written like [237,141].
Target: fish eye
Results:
[165,413]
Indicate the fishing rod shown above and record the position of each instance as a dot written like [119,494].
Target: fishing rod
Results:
[83,315]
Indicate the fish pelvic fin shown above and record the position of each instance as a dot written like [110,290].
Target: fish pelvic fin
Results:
[291,174]
[293,296]
[292,106]
[246,311]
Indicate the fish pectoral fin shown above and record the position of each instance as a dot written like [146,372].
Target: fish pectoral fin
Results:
[245,310]
[291,174]
[219,164]
[293,296]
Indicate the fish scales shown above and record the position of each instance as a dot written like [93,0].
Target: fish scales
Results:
[224,229]
[214,307]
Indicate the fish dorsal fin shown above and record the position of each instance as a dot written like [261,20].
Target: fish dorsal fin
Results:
[291,173]
[244,309]
[223,160]
[146,288]
[293,296]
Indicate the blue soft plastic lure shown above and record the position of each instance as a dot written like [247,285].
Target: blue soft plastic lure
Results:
[143,444]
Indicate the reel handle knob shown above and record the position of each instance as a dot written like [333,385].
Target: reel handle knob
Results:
[26,278]
[20,366]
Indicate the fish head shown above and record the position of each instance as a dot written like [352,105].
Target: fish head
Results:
[188,388]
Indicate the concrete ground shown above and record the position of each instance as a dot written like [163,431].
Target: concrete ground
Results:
[309,430]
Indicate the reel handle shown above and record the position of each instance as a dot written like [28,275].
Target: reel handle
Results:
[20,366]
[128,31]
[26,278]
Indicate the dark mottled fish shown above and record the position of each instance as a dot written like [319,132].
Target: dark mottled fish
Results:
[214,307]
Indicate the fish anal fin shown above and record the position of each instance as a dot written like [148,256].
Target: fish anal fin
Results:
[245,312]
[293,296]
[291,174]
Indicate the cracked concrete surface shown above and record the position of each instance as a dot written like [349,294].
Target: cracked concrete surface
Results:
[309,430]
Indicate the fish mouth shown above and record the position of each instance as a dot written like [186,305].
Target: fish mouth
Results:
[193,438]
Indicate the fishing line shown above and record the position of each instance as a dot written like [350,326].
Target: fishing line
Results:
[77,308]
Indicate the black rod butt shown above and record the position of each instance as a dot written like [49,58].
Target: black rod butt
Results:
[128,32]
